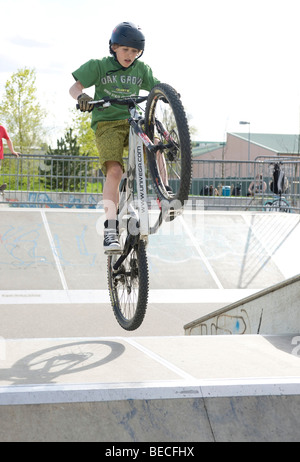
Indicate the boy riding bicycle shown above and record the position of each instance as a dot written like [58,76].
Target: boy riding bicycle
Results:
[118,75]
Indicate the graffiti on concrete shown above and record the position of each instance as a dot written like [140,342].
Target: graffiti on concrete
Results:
[23,246]
[224,324]
[36,199]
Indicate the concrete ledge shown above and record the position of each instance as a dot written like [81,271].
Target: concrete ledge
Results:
[227,419]
[271,311]
[155,389]
[99,392]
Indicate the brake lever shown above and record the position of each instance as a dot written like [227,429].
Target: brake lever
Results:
[103,106]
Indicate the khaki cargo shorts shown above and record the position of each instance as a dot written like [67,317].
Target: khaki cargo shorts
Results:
[111,139]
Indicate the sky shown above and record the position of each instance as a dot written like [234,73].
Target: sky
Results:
[231,60]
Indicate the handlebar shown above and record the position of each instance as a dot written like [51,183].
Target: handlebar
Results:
[107,101]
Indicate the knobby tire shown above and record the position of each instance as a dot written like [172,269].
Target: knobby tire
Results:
[178,160]
[129,293]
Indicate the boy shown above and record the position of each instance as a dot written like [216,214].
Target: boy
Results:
[118,75]
[5,135]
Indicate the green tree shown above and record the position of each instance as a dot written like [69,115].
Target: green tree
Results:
[84,132]
[64,168]
[20,110]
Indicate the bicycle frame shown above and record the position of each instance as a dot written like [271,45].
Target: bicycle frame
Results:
[136,169]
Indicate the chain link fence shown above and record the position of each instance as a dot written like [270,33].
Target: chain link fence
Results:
[77,182]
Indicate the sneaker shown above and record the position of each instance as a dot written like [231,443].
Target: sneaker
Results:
[111,241]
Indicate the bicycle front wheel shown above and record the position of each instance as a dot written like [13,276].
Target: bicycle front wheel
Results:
[167,127]
[129,287]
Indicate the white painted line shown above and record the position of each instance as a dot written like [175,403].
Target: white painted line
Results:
[54,251]
[159,296]
[159,359]
[249,386]
[53,297]
[198,296]
[96,392]
[103,392]
[201,253]
[52,210]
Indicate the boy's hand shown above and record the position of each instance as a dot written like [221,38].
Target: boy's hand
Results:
[83,101]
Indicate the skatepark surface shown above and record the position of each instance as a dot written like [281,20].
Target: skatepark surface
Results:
[65,360]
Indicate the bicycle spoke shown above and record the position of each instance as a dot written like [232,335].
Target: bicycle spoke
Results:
[129,287]
[166,126]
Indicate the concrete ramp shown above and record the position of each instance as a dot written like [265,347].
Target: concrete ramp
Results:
[68,372]
[271,311]
[151,389]
[53,279]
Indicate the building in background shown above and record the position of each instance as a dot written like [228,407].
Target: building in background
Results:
[240,151]
[237,147]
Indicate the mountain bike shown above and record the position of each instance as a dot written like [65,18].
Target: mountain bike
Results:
[161,132]
[278,186]
[278,204]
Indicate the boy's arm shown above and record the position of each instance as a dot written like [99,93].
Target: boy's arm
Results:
[82,98]
[11,148]
[76,89]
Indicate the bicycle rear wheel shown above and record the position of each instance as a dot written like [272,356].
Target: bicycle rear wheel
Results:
[129,287]
[167,127]
[277,205]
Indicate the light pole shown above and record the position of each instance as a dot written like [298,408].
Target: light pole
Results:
[247,123]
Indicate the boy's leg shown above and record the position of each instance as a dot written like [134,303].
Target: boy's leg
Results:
[111,137]
[4,185]
[114,174]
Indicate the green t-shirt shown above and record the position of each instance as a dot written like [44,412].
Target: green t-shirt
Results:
[112,80]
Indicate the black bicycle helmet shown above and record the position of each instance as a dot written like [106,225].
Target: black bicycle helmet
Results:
[129,35]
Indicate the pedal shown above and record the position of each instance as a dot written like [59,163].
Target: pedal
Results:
[113,252]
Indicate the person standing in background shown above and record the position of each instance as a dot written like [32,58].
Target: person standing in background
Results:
[5,135]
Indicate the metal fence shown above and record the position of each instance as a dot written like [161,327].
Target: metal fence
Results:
[51,181]
[76,181]
[243,185]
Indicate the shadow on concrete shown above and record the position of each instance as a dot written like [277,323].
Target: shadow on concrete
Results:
[46,365]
